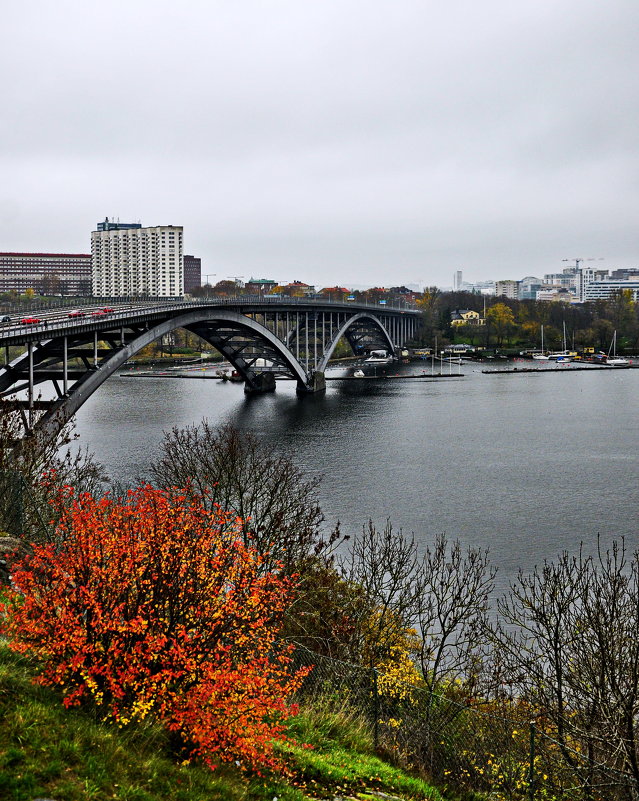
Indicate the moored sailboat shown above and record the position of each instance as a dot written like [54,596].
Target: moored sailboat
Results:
[541,357]
[612,360]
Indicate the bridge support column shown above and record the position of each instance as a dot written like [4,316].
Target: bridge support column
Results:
[316,383]
[262,382]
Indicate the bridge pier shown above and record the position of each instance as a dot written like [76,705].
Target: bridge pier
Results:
[316,383]
[260,383]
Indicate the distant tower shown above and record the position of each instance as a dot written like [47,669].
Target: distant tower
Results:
[457,281]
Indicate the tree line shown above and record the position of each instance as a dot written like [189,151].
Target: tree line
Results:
[589,324]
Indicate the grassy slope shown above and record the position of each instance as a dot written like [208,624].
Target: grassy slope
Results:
[47,751]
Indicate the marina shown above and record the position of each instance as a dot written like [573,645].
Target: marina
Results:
[572,369]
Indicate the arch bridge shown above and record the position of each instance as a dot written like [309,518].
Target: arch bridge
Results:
[67,356]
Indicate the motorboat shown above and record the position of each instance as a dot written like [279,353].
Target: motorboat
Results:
[378,357]
[358,373]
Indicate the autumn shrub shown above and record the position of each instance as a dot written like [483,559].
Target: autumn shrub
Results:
[155,606]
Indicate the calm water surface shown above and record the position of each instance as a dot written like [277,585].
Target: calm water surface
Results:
[526,465]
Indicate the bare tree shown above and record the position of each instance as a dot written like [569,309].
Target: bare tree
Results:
[385,567]
[24,463]
[568,643]
[275,501]
[442,595]
[535,636]
[452,613]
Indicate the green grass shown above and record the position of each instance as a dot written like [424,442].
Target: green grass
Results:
[68,755]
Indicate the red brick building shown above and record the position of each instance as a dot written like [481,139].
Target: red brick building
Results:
[46,273]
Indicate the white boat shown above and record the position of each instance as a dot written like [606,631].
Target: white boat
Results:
[541,357]
[561,356]
[564,355]
[358,373]
[612,360]
[378,357]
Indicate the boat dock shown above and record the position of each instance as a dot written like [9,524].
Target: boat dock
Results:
[150,374]
[563,369]
[392,377]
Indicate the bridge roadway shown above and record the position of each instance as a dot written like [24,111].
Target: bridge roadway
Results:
[68,355]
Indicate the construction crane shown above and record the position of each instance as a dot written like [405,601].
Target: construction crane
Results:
[579,260]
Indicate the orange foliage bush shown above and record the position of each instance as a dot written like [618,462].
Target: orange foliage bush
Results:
[153,606]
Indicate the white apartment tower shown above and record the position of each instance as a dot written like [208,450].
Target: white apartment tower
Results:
[128,260]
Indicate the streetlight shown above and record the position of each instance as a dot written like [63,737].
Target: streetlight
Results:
[207,276]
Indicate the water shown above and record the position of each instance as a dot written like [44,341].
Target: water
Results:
[525,465]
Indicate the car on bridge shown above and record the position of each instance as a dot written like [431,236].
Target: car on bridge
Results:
[29,321]
[5,319]
[77,313]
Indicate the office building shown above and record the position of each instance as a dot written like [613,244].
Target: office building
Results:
[529,286]
[46,273]
[129,260]
[192,273]
[631,273]
[554,292]
[457,281]
[605,287]
[584,276]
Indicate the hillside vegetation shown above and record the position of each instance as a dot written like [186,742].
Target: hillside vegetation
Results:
[47,751]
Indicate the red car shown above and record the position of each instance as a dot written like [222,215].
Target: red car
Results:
[106,310]
[76,313]
[29,321]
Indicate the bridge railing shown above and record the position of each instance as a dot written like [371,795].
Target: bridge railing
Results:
[135,309]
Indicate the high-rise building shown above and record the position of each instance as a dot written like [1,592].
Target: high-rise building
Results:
[129,260]
[584,276]
[192,273]
[457,281]
[46,273]
[507,289]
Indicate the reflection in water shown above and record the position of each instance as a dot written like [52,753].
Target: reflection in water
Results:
[527,465]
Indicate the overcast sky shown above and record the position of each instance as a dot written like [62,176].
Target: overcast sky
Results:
[329,141]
